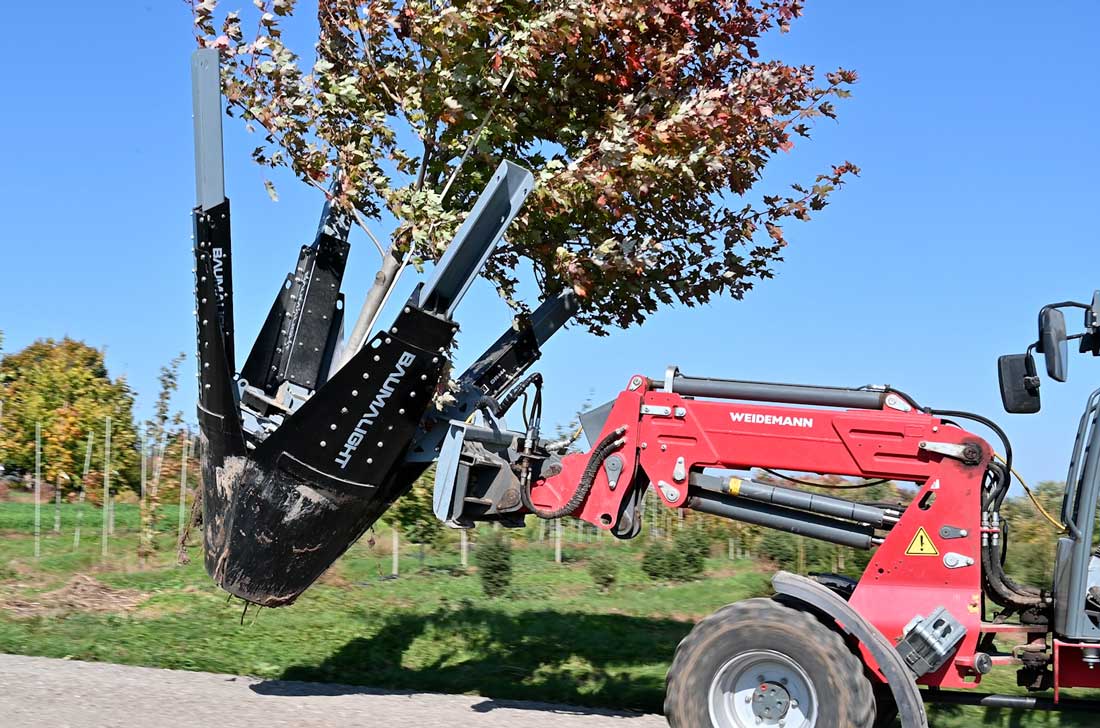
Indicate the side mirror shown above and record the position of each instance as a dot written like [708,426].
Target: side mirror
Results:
[1052,342]
[1019,384]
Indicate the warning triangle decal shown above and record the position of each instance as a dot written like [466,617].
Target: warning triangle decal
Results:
[922,545]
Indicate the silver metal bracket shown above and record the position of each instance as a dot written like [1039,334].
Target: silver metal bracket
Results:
[967,453]
[614,468]
[670,492]
[953,560]
[950,532]
[670,375]
[679,473]
[895,402]
[656,410]
[635,383]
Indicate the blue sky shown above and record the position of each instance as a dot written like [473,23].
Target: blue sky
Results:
[972,124]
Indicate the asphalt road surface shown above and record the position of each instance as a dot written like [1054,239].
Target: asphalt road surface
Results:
[39,692]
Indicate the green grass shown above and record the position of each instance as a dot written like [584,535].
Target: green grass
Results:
[555,637]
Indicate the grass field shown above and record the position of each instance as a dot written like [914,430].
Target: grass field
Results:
[555,637]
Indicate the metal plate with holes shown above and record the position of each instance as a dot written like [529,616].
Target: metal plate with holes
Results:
[953,560]
[613,466]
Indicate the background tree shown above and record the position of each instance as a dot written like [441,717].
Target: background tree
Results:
[64,385]
[412,513]
[647,125]
[163,448]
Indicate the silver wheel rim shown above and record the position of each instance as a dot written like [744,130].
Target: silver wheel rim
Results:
[762,688]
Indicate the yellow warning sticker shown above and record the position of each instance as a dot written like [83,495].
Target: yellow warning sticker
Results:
[922,545]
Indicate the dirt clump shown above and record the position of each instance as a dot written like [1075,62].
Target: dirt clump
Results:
[81,593]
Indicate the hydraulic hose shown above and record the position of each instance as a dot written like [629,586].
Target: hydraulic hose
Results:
[499,408]
[611,441]
[1000,587]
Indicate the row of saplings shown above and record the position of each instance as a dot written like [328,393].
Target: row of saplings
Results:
[682,559]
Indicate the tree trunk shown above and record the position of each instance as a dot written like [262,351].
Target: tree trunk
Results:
[182,557]
[384,280]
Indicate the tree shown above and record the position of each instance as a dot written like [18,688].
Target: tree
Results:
[646,124]
[161,432]
[64,385]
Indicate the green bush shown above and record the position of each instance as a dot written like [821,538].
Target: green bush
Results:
[694,544]
[603,571]
[493,556]
[683,560]
[656,560]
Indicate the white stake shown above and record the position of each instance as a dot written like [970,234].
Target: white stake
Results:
[143,454]
[57,505]
[106,487]
[184,446]
[396,550]
[37,490]
[160,463]
[83,490]
[557,541]
[464,540]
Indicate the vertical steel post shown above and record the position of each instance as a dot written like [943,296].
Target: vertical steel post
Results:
[207,104]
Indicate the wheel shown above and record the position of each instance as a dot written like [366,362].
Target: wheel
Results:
[761,663]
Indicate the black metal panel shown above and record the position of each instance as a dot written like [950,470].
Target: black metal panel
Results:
[296,341]
[502,364]
[358,426]
[212,236]
[221,436]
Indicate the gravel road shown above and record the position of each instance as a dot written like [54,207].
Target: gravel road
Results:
[39,692]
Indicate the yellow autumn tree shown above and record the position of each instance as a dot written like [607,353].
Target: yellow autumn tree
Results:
[63,385]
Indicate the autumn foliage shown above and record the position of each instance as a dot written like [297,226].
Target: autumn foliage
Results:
[64,386]
[648,126]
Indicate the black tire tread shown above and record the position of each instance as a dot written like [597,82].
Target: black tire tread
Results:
[849,672]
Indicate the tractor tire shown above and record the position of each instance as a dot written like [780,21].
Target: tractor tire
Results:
[762,663]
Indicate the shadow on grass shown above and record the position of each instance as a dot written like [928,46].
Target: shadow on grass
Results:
[598,660]
[956,716]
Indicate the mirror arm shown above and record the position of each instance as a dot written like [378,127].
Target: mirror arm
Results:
[1032,380]
[1067,304]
